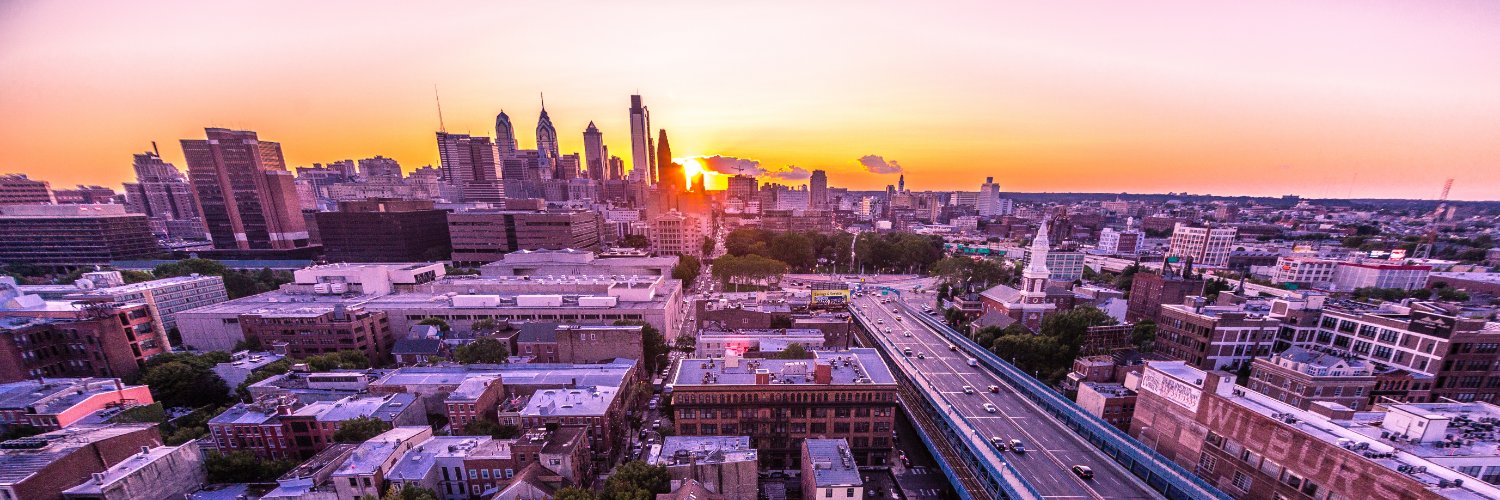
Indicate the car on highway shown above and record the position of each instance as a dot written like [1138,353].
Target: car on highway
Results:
[907,351]
[1083,471]
[952,347]
[998,443]
[921,355]
[906,333]
[880,321]
[887,329]
[995,389]
[990,408]
[973,362]
[1016,446]
[968,389]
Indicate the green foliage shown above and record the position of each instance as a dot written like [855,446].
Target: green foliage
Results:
[897,252]
[279,367]
[486,325]
[794,350]
[685,343]
[1126,279]
[188,427]
[653,344]
[636,481]
[342,360]
[635,241]
[409,491]
[441,323]
[135,276]
[1212,287]
[1390,294]
[960,271]
[487,427]
[485,350]
[237,283]
[359,430]
[708,246]
[152,413]
[688,268]
[244,467]
[782,321]
[459,271]
[1049,353]
[574,493]
[1143,334]
[800,251]
[184,382]
[247,344]
[731,269]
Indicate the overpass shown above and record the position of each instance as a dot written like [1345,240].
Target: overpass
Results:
[1056,433]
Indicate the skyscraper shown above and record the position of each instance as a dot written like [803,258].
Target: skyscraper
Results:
[672,179]
[546,136]
[818,186]
[616,168]
[642,166]
[594,154]
[742,187]
[247,196]
[380,166]
[165,196]
[901,184]
[469,162]
[505,135]
[989,198]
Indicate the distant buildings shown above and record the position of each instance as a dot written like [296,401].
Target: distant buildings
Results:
[989,202]
[479,237]
[380,166]
[818,190]
[162,193]
[1207,246]
[469,163]
[247,196]
[676,233]
[72,236]
[741,187]
[17,189]
[1113,242]
[595,154]
[643,163]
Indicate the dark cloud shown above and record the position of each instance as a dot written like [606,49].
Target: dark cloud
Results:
[730,165]
[878,165]
[791,173]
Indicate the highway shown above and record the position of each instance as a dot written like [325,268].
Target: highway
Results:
[1051,448]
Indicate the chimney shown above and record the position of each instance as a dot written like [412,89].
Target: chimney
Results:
[98,478]
[823,373]
[762,376]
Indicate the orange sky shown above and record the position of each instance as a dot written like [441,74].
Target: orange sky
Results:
[1321,99]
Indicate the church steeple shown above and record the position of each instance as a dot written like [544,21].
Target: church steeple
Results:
[1034,278]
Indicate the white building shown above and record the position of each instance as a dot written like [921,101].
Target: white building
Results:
[1207,246]
[676,233]
[988,202]
[1351,275]
[1308,271]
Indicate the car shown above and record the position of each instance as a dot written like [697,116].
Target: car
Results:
[921,355]
[907,351]
[998,443]
[895,311]
[1083,471]
[906,333]
[1016,446]
[973,362]
[968,389]
[952,347]
[887,329]
[990,408]
[995,389]
[898,318]
[651,406]
[656,424]
[880,321]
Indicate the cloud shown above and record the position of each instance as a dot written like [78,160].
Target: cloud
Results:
[729,165]
[791,173]
[878,165]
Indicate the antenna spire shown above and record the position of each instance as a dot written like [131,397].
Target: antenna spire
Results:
[441,127]
[544,100]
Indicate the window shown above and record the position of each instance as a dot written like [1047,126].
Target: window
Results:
[1207,463]
[1241,481]
[828,492]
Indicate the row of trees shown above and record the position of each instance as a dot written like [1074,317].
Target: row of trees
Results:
[238,283]
[897,252]
[635,480]
[801,251]
[956,272]
[751,269]
[688,268]
[1049,352]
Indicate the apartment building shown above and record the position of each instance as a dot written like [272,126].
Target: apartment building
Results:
[1215,337]
[1207,246]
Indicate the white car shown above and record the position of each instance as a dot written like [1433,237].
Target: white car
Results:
[990,408]
[968,389]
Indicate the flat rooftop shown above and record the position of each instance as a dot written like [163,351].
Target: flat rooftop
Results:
[580,402]
[676,450]
[862,365]
[832,462]
[123,469]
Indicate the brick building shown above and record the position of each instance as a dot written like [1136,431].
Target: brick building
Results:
[778,403]
[42,466]
[72,236]
[314,331]
[97,340]
[482,236]
[384,230]
[1215,337]
[52,404]
[287,428]
[1300,377]
[1148,291]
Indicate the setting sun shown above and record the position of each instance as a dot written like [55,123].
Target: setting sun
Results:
[692,167]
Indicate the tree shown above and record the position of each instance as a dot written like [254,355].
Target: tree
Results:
[487,427]
[441,323]
[793,350]
[687,269]
[244,467]
[574,493]
[1143,334]
[21,430]
[484,326]
[685,344]
[635,241]
[409,491]
[360,429]
[653,344]
[485,350]
[960,271]
[185,384]
[342,360]
[636,481]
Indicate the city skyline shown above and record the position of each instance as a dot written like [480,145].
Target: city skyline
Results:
[1313,100]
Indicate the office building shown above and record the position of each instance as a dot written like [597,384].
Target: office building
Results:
[380,166]
[245,193]
[385,230]
[779,403]
[1304,271]
[1149,290]
[724,465]
[1207,246]
[45,465]
[829,470]
[72,236]
[1249,445]
[988,202]
[1454,352]
[594,153]
[1112,242]
[643,163]
[162,193]
[670,177]
[469,163]
[479,237]
[505,136]
[1213,337]
[546,136]
[1355,275]
[676,233]
[818,188]
[1300,377]
[741,187]
[17,189]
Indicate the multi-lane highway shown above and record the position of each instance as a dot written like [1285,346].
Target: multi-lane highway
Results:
[1051,448]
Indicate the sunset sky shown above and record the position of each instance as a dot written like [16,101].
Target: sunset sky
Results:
[1320,99]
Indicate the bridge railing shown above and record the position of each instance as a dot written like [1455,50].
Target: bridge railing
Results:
[1005,477]
[1163,475]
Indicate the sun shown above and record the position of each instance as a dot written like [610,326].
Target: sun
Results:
[691,167]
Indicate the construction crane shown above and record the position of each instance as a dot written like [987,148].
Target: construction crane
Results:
[1424,249]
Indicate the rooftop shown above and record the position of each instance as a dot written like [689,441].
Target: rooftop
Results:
[123,469]
[677,450]
[580,402]
[51,396]
[20,458]
[855,366]
[832,463]
[369,455]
